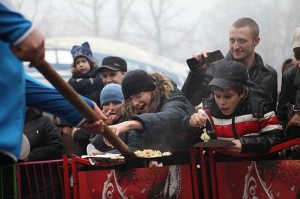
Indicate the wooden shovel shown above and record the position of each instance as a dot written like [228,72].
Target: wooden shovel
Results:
[71,95]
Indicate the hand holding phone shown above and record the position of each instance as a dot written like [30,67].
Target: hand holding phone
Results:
[212,57]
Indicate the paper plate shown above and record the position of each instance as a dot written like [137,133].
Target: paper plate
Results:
[25,149]
[110,156]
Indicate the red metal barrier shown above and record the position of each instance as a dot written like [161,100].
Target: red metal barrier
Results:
[175,181]
[67,174]
[250,179]
[40,179]
[76,178]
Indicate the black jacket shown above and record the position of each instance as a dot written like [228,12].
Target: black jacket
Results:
[163,129]
[88,85]
[44,137]
[195,86]
[289,93]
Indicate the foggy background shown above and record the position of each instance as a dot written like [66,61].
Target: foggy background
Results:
[175,29]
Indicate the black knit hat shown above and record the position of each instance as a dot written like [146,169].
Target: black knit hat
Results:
[114,63]
[136,81]
[228,73]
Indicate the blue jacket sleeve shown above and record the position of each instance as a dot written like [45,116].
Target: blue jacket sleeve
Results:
[13,26]
[48,99]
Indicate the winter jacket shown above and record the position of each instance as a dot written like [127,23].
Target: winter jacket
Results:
[89,84]
[195,86]
[44,137]
[289,94]
[253,122]
[162,129]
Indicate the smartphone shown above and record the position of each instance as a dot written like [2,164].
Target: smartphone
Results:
[212,56]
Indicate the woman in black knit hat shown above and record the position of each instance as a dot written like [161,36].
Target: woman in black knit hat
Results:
[156,108]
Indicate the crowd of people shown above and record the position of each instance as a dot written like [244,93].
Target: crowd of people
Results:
[146,110]
[237,96]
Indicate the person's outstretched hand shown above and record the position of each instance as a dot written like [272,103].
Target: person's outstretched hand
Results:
[96,127]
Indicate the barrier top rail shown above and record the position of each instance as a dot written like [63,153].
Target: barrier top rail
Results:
[274,149]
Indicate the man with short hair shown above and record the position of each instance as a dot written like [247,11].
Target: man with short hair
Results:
[113,70]
[243,38]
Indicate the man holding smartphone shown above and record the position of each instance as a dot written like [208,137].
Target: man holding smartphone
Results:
[243,38]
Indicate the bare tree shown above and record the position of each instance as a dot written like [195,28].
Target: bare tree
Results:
[88,14]
[162,14]
[37,15]
[18,5]
[123,8]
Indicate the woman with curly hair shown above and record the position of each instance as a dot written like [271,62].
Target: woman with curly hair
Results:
[156,108]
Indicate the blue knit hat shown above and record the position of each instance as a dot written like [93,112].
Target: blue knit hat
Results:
[83,51]
[111,93]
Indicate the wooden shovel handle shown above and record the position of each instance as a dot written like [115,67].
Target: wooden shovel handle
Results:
[71,95]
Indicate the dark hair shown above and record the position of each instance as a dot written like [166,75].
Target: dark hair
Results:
[286,64]
[237,87]
[247,22]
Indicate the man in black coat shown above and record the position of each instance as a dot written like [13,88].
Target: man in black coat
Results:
[243,38]
[289,98]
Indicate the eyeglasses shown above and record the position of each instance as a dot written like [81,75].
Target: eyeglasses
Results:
[136,96]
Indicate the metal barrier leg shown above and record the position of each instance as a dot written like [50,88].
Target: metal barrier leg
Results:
[75,179]
[205,178]
[66,177]
[194,173]
[213,174]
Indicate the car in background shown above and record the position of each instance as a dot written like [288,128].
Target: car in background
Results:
[59,56]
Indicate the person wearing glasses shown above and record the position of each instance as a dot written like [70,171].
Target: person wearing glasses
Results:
[155,108]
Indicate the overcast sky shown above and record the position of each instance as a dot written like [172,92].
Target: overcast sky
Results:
[186,27]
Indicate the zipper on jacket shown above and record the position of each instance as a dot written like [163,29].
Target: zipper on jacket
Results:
[234,128]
